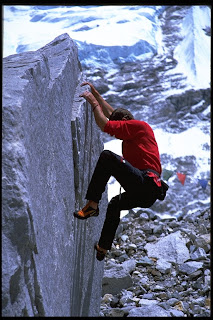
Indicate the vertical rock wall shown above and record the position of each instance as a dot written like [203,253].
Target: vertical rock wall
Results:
[50,147]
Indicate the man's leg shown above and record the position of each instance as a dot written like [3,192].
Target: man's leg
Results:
[110,224]
[110,164]
[96,187]
[125,201]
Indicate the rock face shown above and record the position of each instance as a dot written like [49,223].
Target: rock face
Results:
[50,147]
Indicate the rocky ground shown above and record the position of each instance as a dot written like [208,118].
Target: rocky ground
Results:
[158,267]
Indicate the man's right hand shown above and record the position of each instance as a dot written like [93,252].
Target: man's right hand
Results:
[93,90]
[106,108]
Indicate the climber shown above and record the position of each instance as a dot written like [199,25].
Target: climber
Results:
[138,170]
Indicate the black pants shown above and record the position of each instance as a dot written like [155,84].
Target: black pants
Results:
[140,191]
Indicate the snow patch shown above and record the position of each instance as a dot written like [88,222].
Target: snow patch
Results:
[193,53]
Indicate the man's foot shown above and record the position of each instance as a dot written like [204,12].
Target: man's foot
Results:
[101,253]
[86,212]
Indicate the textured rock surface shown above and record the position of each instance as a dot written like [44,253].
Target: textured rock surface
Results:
[149,311]
[180,288]
[116,279]
[171,248]
[50,147]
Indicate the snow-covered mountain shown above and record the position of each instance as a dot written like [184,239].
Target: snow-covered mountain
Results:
[153,60]
[30,27]
[108,35]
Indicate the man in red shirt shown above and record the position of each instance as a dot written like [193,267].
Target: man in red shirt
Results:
[138,171]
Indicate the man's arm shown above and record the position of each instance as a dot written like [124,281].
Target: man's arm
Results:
[106,107]
[100,118]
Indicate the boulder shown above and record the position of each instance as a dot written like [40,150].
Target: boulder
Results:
[152,310]
[147,302]
[116,279]
[127,297]
[49,150]
[198,254]
[163,266]
[129,265]
[171,248]
[190,267]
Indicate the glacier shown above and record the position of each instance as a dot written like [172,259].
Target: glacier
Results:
[105,33]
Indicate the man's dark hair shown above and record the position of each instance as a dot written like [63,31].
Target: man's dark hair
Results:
[120,113]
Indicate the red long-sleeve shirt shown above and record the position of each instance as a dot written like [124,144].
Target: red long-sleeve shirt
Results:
[139,146]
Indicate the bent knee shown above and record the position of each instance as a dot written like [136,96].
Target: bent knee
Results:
[106,154]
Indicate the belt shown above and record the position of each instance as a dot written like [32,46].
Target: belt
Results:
[151,170]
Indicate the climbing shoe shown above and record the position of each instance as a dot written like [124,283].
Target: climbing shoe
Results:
[101,253]
[86,212]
